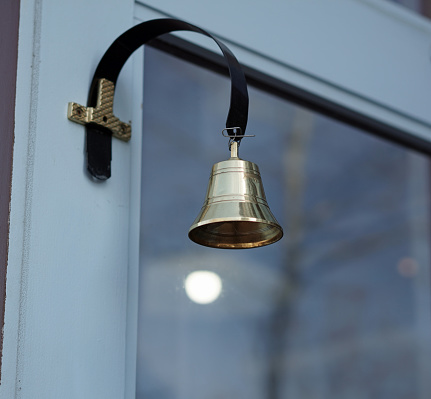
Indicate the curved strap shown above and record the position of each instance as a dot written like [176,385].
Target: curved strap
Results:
[99,140]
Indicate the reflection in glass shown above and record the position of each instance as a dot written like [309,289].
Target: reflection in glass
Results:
[422,7]
[203,286]
[339,308]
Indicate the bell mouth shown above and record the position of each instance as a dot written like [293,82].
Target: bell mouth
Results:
[235,234]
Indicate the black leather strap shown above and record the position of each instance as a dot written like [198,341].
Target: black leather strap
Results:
[99,140]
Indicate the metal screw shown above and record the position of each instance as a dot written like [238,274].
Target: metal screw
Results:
[79,111]
[123,129]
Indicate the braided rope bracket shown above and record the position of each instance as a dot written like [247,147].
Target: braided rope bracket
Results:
[101,115]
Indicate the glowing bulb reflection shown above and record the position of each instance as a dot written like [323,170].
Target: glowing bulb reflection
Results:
[203,286]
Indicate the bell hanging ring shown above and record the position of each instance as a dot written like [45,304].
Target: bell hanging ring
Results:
[235,214]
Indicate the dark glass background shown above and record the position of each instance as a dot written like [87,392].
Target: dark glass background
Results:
[422,7]
[339,308]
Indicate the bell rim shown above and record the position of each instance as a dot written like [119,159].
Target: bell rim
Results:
[234,219]
[257,244]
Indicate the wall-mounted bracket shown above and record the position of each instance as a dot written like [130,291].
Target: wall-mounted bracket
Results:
[102,114]
[98,117]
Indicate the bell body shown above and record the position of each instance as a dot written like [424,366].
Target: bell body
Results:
[235,214]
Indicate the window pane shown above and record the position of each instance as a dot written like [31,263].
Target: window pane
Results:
[339,308]
[422,7]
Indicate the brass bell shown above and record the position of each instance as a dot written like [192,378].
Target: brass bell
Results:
[235,214]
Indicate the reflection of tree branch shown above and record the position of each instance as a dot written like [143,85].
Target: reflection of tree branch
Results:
[295,162]
[333,221]
[347,250]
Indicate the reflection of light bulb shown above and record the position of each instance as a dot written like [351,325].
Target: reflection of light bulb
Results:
[203,287]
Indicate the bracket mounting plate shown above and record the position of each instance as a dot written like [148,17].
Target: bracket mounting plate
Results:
[102,114]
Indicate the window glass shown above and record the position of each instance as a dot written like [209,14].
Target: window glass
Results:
[422,7]
[339,308]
